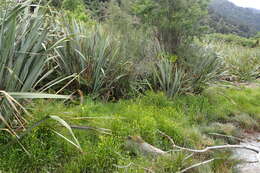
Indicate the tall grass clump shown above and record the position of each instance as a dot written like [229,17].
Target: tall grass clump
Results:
[188,72]
[24,53]
[240,63]
[168,77]
[93,54]
[202,66]
[110,59]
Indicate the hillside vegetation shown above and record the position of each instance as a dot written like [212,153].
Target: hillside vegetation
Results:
[123,86]
[226,18]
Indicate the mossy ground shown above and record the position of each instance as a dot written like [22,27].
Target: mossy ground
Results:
[187,119]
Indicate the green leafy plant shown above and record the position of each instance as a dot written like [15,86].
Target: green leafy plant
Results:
[202,67]
[168,77]
[23,57]
[93,54]
[240,63]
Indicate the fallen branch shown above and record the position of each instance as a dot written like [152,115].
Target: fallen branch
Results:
[139,146]
[251,148]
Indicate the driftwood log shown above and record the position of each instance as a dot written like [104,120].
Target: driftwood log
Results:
[139,146]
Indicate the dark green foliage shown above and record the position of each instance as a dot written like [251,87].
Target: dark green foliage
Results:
[76,9]
[95,56]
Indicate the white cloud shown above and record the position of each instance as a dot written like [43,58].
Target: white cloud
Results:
[247,3]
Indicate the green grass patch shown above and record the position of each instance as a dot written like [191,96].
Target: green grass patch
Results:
[187,119]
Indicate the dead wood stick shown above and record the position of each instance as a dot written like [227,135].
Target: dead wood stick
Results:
[252,148]
[137,144]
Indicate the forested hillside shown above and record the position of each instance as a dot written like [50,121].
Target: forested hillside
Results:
[226,17]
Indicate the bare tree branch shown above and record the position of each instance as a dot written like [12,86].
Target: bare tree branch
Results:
[252,148]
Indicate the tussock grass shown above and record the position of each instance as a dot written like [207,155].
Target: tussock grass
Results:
[239,62]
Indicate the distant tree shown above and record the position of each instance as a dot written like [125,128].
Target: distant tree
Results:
[176,21]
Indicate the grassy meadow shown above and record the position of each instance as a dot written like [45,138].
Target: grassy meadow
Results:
[78,81]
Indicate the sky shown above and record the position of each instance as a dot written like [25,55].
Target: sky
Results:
[247,3]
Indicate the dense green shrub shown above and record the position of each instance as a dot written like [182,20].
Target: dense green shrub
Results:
[113,59]
[190,72]
[72,5]
[92,54]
